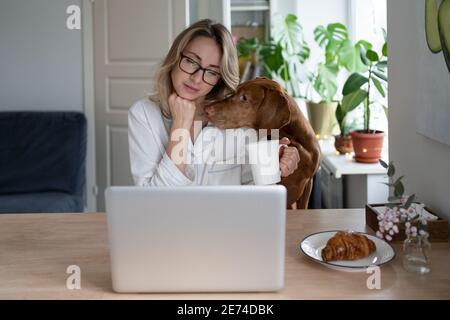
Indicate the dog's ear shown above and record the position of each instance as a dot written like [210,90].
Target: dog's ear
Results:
[274,111]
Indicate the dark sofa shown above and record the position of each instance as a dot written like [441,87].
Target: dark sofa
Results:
[42,161]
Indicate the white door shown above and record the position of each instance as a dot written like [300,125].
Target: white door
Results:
[130,40]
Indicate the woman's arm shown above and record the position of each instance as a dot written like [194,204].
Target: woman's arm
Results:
[151,164]
[183,112]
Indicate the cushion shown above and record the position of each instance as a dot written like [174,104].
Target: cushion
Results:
[40,202]
[42,152]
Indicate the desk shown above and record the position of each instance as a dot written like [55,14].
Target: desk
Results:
[36,249]
[346,183]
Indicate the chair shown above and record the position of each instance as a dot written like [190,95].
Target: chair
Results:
[315,199]
[42,161]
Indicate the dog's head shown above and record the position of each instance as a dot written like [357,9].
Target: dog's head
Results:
[260,104]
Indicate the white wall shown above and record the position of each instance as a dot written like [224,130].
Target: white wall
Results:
[424,162]
[41,60]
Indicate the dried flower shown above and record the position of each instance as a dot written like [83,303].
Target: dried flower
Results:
[400,209]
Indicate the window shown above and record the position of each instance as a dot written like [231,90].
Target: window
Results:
[367,19]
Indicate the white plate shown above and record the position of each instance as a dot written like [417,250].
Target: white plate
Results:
[313,244]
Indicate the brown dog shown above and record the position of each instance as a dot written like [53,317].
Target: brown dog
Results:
[263,104]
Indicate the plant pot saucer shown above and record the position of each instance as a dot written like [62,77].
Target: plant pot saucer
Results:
[365,160]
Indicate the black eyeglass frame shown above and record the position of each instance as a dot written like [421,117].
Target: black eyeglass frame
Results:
[199,67]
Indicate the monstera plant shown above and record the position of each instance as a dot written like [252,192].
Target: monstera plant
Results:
[282,56]
[285,54]
[339,53]
[437,28]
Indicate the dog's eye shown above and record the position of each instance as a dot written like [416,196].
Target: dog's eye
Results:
[243,98]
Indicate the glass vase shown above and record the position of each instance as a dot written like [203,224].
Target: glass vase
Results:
[416,254]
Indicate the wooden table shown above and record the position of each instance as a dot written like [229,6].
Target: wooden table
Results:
[36,249]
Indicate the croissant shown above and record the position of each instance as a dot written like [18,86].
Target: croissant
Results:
[347,246]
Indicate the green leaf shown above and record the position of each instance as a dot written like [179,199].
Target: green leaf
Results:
[353,83]
[339,113]
[362,55]
[352,100]
[335,32]
[288,33]
[349,56]
[386,110]
[272,55]
[399,189]
[325,82]
[380,75]
[372,56]
[364,44]
[409,201]
[338,30]
[284,54]
[382,64]
[398,180]
[246,46]
[379,87]
[385,50]
[391,205]
[384,164]
[391,169]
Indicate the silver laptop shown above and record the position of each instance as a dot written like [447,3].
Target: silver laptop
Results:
[197,238]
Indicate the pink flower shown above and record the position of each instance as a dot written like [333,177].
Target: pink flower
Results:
[388,237]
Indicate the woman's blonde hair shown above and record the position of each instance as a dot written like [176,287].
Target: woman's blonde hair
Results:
[229,68]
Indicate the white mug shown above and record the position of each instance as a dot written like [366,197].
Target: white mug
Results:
[264,161]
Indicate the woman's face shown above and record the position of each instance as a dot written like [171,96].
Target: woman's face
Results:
[206,53]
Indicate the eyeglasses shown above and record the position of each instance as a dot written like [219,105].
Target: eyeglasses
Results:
[191,66]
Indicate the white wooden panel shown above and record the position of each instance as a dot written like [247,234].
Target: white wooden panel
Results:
[137,29]
[123,92]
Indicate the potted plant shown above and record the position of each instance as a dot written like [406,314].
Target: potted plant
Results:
[281,57]
[358,89]
[343,141]
[284,54]
[339,53]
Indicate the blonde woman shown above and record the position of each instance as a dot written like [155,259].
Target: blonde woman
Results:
[200,67]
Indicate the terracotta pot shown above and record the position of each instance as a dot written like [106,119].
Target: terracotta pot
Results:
[367,146]
[343,143]
[321,117]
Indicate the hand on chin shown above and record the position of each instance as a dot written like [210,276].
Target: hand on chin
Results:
[187,95]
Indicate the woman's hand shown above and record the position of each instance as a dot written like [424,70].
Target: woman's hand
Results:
[182,110]
[289,158]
